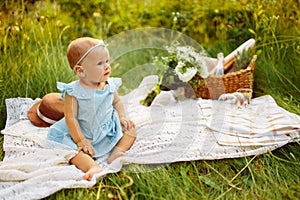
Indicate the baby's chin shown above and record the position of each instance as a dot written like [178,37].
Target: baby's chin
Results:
[103,79]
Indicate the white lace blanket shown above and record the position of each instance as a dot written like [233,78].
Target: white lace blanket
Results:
[168,131]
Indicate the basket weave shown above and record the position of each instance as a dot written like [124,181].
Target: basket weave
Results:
[214,86]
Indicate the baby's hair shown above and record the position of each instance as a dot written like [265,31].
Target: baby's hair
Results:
[78,48]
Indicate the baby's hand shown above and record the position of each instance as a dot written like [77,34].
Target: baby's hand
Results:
[127,124]
[85,145]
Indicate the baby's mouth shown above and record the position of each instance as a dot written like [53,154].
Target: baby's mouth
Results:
[107,73]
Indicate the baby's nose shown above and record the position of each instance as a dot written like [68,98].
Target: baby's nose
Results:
[107,65]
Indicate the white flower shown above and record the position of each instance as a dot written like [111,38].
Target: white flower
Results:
[171,49]
[189,62]
[180,66]
[203,72]
[185,74]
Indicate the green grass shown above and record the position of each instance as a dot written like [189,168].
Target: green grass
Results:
[259,177]
[33,43]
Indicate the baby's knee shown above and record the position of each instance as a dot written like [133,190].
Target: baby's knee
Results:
[131,132]
[127,140]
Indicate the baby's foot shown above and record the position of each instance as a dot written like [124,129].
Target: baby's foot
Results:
[90,173]
[114,155]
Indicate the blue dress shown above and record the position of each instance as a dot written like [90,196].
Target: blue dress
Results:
[98,119]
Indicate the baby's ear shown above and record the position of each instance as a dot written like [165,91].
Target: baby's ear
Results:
[79,71]
[76,68]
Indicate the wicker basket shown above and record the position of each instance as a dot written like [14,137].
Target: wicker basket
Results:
[214,86]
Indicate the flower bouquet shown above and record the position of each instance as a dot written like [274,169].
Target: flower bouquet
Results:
[193,72]
[183,64]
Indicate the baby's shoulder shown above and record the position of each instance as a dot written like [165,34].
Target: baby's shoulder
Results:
[67,87]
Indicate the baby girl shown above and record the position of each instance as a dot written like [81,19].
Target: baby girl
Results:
[94,120]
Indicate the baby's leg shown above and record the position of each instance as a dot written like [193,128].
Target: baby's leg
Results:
[116,153]
[86,164]
[123,145]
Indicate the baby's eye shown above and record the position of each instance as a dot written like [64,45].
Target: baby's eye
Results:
[100,63]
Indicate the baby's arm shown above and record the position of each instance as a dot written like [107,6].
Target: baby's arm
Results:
[70,111]
[118,105]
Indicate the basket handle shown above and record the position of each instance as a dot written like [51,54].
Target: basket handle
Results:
[228,63]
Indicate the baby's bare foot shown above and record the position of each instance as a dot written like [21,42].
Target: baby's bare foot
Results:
[90,173]
[114,155]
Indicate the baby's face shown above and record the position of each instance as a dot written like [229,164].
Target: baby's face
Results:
[96,65]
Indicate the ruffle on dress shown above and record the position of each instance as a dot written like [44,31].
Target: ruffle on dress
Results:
[71,88]
[64,87]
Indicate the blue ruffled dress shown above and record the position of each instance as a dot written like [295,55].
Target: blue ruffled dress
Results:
[98,119]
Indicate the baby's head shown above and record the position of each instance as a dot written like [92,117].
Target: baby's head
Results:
[79,48]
